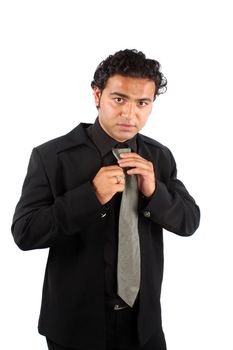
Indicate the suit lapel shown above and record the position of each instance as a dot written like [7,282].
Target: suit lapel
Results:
[78,159]
[74,138]
[143,150]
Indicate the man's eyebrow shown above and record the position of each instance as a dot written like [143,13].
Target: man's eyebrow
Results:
[115,93]
[118,94]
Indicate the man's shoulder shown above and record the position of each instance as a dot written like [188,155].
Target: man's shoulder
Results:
[71,138]
[51,144]
[153,143]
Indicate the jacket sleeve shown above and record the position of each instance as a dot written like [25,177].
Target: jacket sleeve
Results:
[40,218]
[171,206]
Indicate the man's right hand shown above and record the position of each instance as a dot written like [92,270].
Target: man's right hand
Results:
[108,181]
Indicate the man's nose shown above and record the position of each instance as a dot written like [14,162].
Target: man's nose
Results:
[129,111]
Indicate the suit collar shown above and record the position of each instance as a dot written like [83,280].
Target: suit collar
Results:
[79,136]
[143,150]
[76,137]
[105,143]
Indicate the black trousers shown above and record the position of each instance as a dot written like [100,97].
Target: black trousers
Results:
[121,333]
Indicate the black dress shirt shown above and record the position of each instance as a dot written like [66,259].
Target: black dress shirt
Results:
[104,144]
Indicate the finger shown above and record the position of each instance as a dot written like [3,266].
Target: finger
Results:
[118,179]
[110,167]
[130,155]
[116,171]
[135,164]
[118,188]
[141,171]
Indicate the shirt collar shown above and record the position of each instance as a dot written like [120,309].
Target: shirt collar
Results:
[104,142]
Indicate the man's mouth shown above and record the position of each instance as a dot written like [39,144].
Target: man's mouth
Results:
[125,126]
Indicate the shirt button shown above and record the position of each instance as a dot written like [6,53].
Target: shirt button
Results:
[147,214]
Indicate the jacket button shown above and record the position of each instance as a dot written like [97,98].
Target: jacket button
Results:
[147,214]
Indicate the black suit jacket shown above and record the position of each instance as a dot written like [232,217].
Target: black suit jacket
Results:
[58,209]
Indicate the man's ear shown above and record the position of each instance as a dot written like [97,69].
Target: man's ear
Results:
[97,95]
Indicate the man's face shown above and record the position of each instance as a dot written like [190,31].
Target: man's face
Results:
[124,106]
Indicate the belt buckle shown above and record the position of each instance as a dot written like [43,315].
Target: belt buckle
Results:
[118,307]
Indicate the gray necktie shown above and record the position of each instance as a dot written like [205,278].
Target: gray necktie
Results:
[128,266]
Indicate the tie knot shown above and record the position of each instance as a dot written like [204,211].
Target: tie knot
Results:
[121,145]
[118,151]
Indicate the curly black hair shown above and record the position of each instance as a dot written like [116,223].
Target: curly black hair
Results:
[130,63]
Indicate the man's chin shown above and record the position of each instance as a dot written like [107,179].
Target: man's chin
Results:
[122,137]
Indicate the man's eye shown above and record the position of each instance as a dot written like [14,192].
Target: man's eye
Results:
[119,100]
[142,103]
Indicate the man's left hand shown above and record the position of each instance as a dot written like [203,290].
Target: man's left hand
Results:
[142,168]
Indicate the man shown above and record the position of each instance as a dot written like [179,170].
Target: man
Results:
[73,200]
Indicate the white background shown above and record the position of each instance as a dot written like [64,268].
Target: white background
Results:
[49,51]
